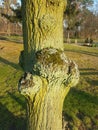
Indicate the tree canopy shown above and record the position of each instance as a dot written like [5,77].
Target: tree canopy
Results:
[13,11]
[73,14]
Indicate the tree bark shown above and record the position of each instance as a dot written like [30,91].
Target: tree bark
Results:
[45,89]
[50,73]
[42,26]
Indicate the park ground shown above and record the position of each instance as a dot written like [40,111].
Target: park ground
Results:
[80,108]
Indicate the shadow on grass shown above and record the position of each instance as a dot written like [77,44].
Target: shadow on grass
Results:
[3,38]
[10,122]
[10,40]
[82,101]
[93,82]
[83,52]
[16,66]
[89,73]
[83,96]
[79,104]
[20,101]
[86,69]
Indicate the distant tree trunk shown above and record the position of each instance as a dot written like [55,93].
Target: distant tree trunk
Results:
[7,11]
[16,32]
[8,28]
[51,73]
[68,37]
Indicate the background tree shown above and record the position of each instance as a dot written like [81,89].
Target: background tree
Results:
[13,16]
[15,13]
[7,11]
[73,15]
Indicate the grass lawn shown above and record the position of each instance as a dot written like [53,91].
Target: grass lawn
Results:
[12,104]
[81,104]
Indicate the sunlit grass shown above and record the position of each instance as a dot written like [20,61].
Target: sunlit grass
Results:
[12,104]
[81,104]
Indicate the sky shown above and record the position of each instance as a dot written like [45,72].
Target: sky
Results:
[95,6]
[19,1]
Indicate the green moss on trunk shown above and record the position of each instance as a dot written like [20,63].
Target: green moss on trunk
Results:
[52,73]
[45,89]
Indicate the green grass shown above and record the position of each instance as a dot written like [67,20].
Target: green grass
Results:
[12,38]
[12,104]
[81,104]
[82,49]
[72,40]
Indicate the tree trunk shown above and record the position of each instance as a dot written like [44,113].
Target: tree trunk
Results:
[8,29]
[45,89]
[42,26]
[51,73]
[68,37]
[45,110]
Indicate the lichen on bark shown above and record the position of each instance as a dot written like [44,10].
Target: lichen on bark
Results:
[42,26]
[45,89]
[50,73]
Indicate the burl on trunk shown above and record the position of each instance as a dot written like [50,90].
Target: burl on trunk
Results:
[50,73]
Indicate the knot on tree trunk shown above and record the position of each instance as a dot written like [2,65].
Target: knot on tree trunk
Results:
[52,66]
[46,87]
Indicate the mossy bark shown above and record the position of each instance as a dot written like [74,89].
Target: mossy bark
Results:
[45,110]
[51,73]
[45,89]
[42,26]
